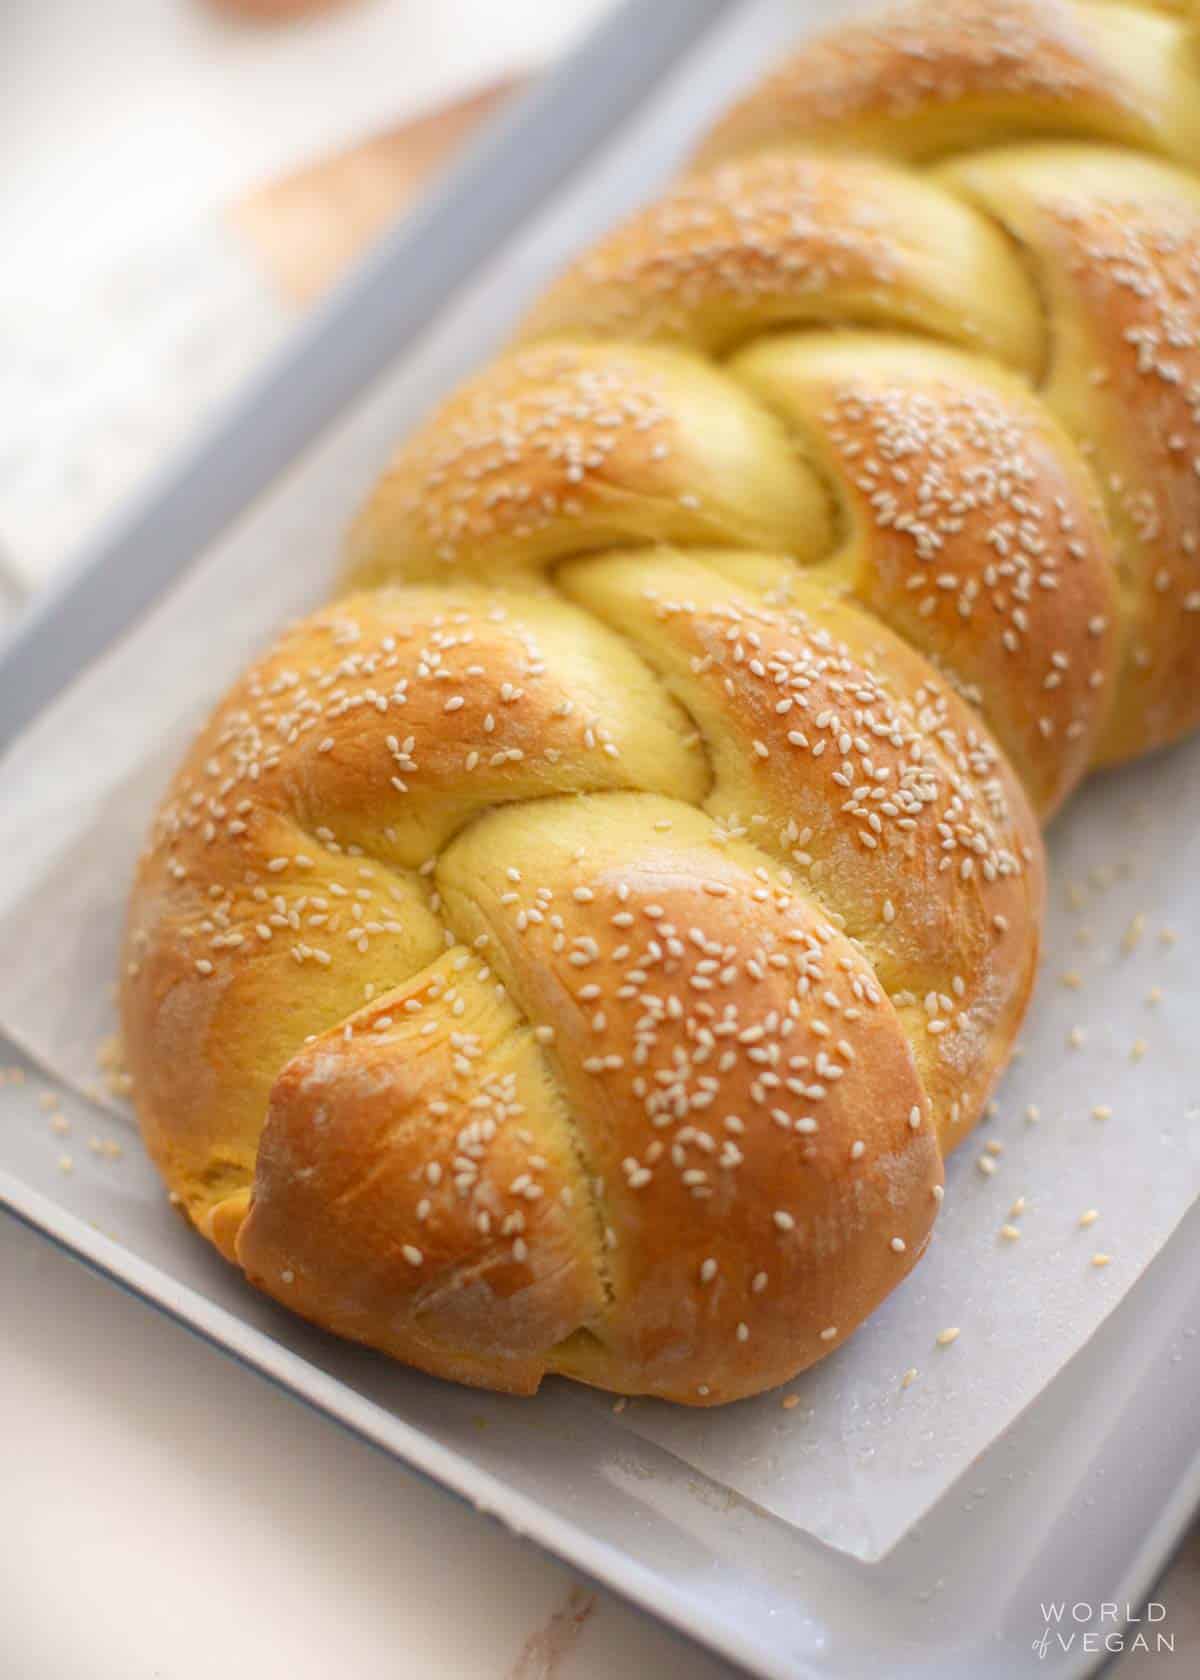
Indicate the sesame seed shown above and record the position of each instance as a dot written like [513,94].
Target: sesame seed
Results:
[897,767]
[1132,937]
[945,1337]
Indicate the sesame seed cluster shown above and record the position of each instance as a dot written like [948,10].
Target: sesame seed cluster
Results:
[574,950]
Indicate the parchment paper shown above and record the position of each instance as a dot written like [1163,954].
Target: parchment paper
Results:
[1099,1113]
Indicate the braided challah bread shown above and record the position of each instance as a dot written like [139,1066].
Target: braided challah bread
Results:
[575,950]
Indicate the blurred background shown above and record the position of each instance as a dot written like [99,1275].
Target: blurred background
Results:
[182,179]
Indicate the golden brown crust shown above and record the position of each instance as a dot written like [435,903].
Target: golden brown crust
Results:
[924,79]
[973,529]
[740,1084]
[228,966]
[788,238]
[1116,242]
[580,962]
[281,885]
[359,1217]
[421,1181]
[615,966]
[564,448]
[837,750]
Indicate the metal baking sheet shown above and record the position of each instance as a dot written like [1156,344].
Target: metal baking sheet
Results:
[1080,1501]
[1073,1503]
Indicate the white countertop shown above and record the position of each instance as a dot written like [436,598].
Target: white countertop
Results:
[179,1518]
[171,1516]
